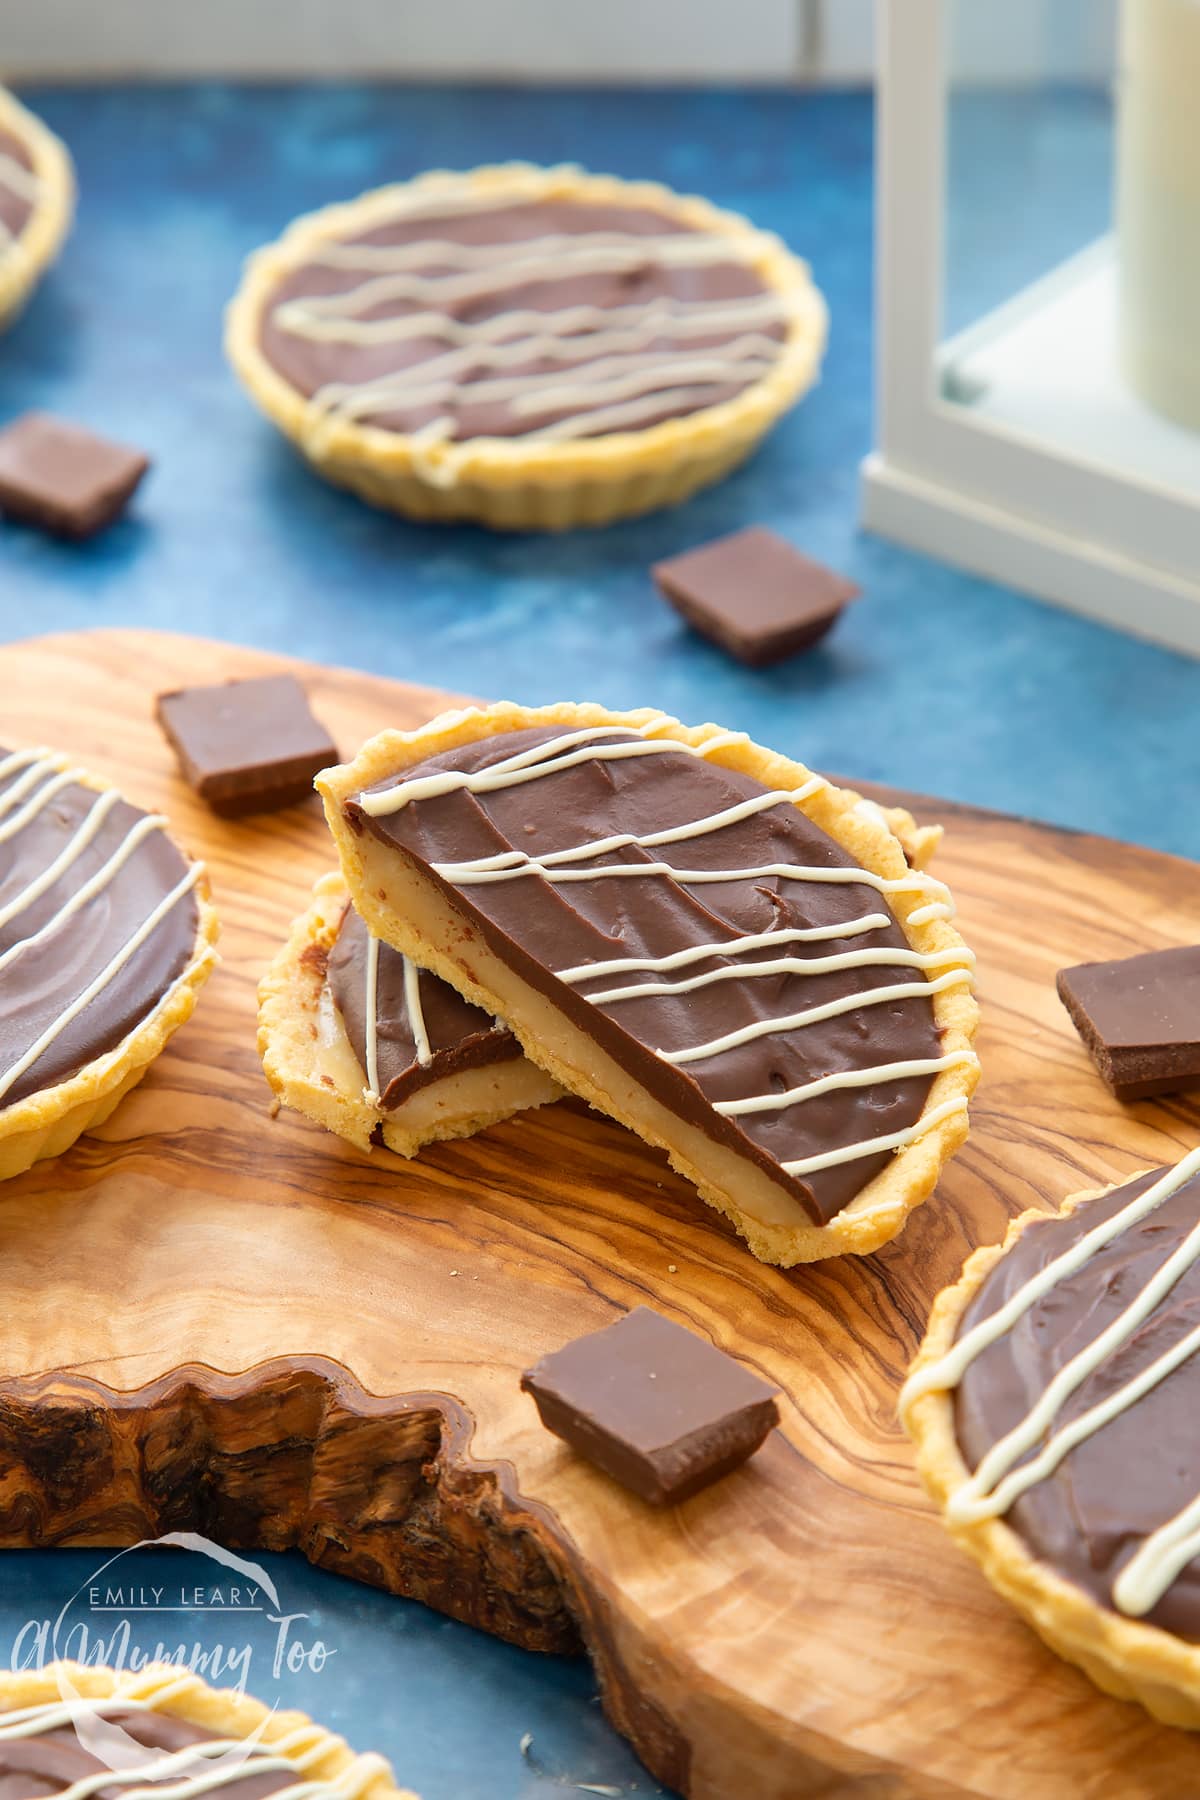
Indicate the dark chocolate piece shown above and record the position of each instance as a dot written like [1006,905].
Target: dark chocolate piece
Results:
[247,746]
[53,948]
[653,1405]
[64,478]
[539,927]
[1140,1019]
[49,1761]
[461,1036]
[1128,1478]
[754,594]
[695,367]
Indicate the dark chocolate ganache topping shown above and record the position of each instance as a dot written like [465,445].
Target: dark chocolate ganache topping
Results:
[466,317]
[1135,1474]
[447,1037]
[18,188]
[98,920]
[675,997]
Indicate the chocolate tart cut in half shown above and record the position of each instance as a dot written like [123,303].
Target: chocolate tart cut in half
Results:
[66,1729]
[531,348]
[106,937]
[37,197]
[1054,1404]
[355,1036]
[709,943]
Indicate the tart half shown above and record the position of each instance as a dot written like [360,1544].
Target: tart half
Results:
[106,937]
[355,1036]
[1053,1405]
[531,348]
[706,941]
[163,1728]
[37,197]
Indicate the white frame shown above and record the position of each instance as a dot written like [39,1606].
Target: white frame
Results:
[967,488]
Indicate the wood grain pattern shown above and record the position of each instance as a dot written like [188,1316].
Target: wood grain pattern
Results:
[295,1345]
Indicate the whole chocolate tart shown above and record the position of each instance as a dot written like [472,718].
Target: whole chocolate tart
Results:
[1054,1406]
[355,1036]
[530,348]
[106,937]
[69,1729]
[37,198]
[718,948]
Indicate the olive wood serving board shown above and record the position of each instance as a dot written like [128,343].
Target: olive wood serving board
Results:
[219,1320]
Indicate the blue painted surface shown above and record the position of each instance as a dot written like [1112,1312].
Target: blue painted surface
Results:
[933,680]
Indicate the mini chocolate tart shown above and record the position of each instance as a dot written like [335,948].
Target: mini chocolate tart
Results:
[162,1728]
[106,938]
[530,348]
[1053,1405]
[354,1035]
[713,945]
[37,198]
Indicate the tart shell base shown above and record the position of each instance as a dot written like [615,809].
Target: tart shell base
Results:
[534,503]
[1124,1657]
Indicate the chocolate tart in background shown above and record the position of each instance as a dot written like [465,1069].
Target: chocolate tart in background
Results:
[37,199]
[106,938]
[165,1728]
[714,946]
[1053,1405]
[530,348]
[356,1037]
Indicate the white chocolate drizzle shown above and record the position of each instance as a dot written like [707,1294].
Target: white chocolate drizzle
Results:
[1002,1476]
[416,1012]
[617,352]
[29,767]
[19,180]
[371,1018]
[575,747]
[759,940]
[894,1140]
[176,1771]
[26,185]
[814,1015]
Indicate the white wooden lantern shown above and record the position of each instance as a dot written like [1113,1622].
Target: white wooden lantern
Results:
[1054,443]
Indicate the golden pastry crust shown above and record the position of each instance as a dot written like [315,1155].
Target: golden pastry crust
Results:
[23,261]
[48,1122]
[880,1209]
[527,484]
[311,1066]
[1124,1656]
[222,1711]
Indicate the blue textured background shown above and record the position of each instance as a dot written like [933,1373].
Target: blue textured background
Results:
[932,681]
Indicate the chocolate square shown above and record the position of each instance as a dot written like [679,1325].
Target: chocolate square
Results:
[653,1405]
[64,478]
[247,746]
[754,594]
[1140,1018]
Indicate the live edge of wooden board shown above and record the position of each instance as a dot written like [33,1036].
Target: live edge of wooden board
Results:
[221,1321]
